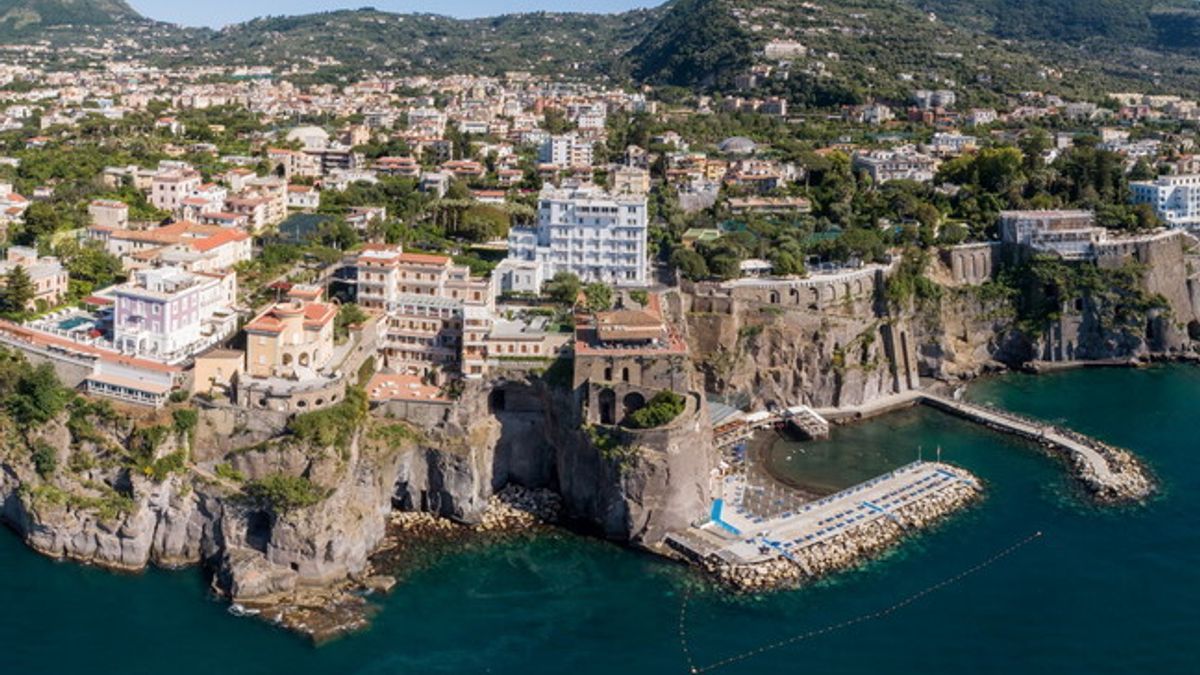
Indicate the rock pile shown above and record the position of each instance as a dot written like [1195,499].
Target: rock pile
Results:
[1128,479]
[845,550]
[517,508]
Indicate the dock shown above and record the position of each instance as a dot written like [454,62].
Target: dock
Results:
[1112,474]
[740,535]
[732,426]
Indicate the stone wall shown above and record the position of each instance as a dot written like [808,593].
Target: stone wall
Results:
[71,370]
[820,292]
[972,264]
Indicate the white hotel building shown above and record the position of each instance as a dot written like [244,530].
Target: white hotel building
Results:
[588,232]
[1176,199]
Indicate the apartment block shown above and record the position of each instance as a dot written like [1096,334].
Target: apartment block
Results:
[588,232]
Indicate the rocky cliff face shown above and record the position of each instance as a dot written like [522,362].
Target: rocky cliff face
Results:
[126,491]
[761,354]
[650,483]
[100,508]
[967,332]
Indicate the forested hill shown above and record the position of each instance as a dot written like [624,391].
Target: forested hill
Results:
[566,43]
[25,17]
[1152,24]
[858,49]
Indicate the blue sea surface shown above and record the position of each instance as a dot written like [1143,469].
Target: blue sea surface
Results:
[1102,591]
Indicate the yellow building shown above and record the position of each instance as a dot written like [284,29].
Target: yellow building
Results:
[292,339]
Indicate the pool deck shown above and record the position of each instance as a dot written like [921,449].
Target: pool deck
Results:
[740,537]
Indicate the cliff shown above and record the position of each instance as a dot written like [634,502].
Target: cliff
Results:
[632,486]
[299,510]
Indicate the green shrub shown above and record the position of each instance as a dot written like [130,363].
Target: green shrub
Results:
[282,493]
[333,426]
[226,471]
[185,420]
[45,459]
[659,411]
[164,466]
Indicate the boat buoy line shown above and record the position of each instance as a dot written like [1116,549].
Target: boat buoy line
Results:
[862,618]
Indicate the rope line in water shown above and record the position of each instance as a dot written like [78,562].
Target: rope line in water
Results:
[863,618]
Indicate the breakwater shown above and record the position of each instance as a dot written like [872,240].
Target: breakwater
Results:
[1112,475]
[752,553]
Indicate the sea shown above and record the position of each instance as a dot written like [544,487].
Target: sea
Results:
[1100,591]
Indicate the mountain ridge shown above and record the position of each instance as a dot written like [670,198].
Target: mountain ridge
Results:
[24,16]
[857,49]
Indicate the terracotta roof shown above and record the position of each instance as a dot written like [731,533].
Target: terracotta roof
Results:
[225,236]
[386,387]
[315,315]
[423,259]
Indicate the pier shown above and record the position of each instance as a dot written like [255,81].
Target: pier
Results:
[751,537]
[732,426]
[749,545]
[1112,474]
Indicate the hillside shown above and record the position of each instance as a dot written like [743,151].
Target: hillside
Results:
[18,17]
[859,49]
[697,42]
[1151,24]
[564,43]
[855,50]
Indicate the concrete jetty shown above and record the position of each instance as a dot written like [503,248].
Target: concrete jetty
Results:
[750,551]
[1110,473]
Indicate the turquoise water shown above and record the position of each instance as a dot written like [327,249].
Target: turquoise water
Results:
[1101,592]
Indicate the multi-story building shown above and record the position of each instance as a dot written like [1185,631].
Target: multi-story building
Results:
[900,164]
[1176,199]
[426,299]
[1072,235]
[303,197]
[946,143]
[291,339]
[109,213]
[47,275]
[624,357]
[170,314]
[938,98]
[628,180]
[588,232]
[196,247]
[566,151]
[170,188]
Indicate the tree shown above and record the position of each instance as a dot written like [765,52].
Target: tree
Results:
[689,263]
[37,397]
[90,266]
[786,264]
[563,288]
[40,219]
[350,314]
[599,297]
[18,292]
[952,234]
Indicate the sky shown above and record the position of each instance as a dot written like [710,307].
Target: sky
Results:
[217,13]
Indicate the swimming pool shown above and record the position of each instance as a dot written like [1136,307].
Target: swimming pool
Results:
[75,322]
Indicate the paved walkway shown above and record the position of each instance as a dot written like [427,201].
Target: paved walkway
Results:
[1029,428]
[745,538]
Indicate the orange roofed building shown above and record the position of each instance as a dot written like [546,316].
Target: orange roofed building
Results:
[437,316]
[293,338]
